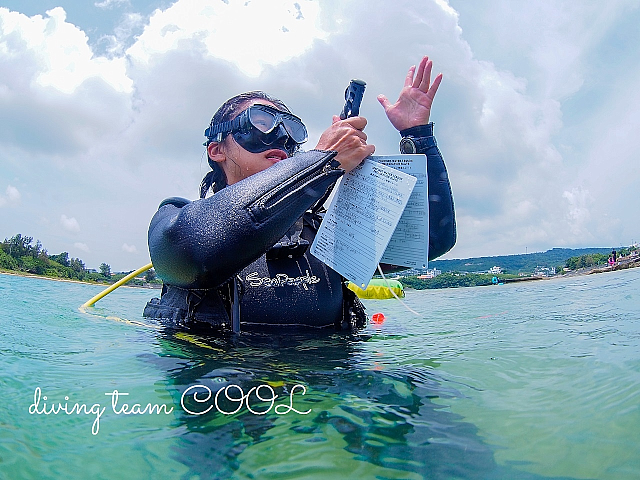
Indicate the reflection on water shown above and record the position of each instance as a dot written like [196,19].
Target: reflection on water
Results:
[386,420]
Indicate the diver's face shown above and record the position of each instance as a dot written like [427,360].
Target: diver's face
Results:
[238,163]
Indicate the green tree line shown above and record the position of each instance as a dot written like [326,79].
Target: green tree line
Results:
[585,261]
[20,254]
[523,263]
[457,279]
[453,279]
[595,259]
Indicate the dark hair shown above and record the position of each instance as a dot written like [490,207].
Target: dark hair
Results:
[216,179]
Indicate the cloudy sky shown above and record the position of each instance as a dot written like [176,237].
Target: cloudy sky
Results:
[103,107]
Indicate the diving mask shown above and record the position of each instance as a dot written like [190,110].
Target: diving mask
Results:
[260,128]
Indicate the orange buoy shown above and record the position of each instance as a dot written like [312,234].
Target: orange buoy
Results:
[377,318]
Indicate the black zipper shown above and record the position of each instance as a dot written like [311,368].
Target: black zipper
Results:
[272,201]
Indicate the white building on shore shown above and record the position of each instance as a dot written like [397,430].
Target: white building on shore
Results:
[430,273]
[544,271]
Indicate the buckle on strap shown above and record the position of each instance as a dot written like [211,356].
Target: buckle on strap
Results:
[193,299]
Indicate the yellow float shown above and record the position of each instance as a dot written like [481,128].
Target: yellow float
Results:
[379,289]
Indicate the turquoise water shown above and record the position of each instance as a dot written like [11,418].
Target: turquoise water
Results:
[528,381]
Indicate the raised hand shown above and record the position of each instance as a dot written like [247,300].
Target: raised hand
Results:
[414,103]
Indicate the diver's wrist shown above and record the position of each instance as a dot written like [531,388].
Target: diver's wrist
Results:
[418,131]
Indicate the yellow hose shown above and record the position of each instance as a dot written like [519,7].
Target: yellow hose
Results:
[111,288]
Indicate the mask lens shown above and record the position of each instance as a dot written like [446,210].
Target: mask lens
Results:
[265,119]
[262,119]
[295,128]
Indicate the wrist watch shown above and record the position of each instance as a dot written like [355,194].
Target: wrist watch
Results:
[411,144]
[408,145]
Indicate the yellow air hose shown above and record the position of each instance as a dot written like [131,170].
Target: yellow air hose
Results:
[122,281]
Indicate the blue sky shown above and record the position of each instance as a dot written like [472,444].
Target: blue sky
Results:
[103,106]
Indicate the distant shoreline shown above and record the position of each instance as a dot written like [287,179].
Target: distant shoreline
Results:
[622,264]
[69,280]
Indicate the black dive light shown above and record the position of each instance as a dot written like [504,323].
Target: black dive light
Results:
[353,97]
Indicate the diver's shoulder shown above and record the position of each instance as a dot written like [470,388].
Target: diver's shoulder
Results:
[175,201]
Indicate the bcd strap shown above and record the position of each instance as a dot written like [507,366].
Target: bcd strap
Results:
[235,307]
[193,299]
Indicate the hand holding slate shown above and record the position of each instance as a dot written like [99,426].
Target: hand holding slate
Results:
[348,139]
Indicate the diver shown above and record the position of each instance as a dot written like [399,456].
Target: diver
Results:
[240,256]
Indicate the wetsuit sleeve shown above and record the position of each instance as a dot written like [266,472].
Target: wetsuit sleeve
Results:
[205,242]
[442,220]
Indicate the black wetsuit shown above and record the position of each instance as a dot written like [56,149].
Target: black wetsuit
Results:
[252,237]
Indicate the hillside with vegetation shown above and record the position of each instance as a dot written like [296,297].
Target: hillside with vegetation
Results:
[454,280]
[19,254]
[515,264]
[592,261]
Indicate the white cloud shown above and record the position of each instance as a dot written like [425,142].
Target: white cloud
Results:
[123,34]
[251,35]
[81,246]
[61,50]
[129,248]
[11,197]
[517,127]
[69,224]
[56,96]
[578,214]
[108,4]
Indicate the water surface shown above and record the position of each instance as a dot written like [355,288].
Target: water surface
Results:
[534,380]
